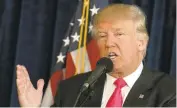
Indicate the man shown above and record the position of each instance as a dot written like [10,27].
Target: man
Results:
[121,35]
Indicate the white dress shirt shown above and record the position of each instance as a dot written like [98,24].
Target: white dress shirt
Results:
[109,85]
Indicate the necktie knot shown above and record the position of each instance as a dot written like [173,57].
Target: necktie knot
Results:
[120,83]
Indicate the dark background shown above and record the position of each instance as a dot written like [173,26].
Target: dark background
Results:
[31,33]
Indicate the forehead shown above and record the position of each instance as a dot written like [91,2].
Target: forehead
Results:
[121,24]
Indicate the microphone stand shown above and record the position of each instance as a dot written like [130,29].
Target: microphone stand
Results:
[90,94]
[84,88]
[77,99]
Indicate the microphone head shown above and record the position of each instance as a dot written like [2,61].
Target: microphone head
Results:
[106,62]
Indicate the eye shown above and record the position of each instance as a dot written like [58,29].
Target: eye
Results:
[102,35]
[118,34]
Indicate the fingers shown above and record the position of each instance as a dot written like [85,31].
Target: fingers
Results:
[40,84]
[22,79]
[20,82]
[25,71]
[20,86]
[22,72]
[19,72]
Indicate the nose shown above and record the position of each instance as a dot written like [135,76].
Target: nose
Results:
[110,41]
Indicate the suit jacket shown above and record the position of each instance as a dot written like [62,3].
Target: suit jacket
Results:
[152,89]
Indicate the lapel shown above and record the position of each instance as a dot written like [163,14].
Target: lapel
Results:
[95,100]
[138,95]
[141,90]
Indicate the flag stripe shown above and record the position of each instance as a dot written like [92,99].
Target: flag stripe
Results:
[70,68]
[87,62]
[56,77]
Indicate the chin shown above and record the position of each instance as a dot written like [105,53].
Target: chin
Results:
[118,68]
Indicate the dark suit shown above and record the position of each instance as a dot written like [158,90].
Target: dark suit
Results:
[157,89]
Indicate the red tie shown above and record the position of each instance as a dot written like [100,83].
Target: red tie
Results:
[116,99]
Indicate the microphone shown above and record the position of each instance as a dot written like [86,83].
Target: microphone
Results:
[104,65]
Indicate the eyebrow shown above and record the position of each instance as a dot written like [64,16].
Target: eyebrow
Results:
[114,30]
[101,31]
[118,29]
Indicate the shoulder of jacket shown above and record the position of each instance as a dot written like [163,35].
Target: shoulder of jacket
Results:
[164,82]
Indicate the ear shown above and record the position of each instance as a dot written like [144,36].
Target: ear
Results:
[142,44]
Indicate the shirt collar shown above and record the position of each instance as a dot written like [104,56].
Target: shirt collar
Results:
[130,79]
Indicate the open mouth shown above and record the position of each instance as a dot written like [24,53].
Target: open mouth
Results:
[112,55]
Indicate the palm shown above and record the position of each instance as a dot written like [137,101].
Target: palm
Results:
[27,94]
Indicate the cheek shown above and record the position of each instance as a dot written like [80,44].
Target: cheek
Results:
[128,49]
[102,48]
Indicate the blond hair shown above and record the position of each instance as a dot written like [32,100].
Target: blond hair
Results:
[123,11]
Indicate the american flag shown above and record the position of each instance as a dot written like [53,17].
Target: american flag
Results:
[78,53]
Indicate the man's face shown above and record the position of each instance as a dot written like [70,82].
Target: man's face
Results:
[118,40]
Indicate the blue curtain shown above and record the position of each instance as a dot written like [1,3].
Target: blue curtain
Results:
[31,33]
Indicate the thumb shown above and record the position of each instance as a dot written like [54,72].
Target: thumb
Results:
[40,84]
